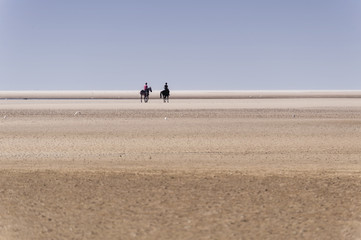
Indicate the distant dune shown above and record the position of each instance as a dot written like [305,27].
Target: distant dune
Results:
[178,94]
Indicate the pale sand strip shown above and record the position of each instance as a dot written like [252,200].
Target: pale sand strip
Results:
[178,94]
[180,104]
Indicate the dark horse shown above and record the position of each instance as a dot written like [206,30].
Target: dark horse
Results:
[165,95]
[145,94]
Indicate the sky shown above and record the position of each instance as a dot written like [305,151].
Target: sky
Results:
[191,44]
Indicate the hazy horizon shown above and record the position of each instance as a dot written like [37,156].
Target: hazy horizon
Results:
[193,45]
[195,90]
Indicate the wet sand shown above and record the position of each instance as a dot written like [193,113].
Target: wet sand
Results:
[190,169]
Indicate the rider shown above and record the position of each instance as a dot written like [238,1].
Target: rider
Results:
[146,89]
[166,87]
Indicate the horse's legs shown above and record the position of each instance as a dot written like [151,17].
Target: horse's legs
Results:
[162,95]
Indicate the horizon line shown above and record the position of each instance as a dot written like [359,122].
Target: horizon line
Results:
[178,94]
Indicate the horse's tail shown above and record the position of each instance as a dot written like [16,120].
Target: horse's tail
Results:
[160,95]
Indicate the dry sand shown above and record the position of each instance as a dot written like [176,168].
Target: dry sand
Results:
[190,169]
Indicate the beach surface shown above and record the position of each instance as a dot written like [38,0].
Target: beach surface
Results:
[212,168]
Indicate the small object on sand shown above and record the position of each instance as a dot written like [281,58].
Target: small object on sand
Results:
[165,118]
[294,115]
[76,113]
[5,117]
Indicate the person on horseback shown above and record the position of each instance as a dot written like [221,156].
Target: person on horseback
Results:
[165,93]
[144,93]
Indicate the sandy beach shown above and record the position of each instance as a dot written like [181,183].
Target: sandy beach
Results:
[211,168]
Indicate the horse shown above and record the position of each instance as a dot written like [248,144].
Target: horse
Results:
[165,95]
[145,94]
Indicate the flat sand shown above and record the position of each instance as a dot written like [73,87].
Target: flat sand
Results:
[268,168]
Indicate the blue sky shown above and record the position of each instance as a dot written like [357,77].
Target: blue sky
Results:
[191,44]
